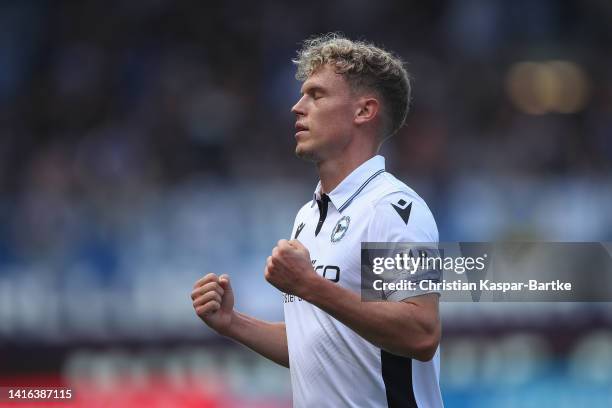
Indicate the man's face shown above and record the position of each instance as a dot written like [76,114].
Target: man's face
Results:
[324,115]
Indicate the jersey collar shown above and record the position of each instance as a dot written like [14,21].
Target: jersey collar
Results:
[349,188]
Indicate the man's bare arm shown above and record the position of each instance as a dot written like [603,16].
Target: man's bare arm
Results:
[213,301]
[266,338]
[410,328]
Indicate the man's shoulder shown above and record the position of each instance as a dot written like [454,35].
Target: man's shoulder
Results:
[396,206]
[389,189]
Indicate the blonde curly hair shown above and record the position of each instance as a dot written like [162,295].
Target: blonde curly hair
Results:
[365,67]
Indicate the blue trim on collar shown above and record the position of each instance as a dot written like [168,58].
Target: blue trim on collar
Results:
[356,193]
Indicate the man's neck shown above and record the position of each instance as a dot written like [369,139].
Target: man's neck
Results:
[333,171]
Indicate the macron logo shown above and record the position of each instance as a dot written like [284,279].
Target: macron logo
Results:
[298,230]
[403,209]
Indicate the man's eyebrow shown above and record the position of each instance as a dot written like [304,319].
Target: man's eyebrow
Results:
[311,89]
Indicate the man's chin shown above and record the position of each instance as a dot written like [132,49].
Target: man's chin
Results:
[305,154]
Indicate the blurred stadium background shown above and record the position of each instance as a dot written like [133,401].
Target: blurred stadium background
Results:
[143,144]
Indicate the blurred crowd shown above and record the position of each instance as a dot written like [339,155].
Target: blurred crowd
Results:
[143,143]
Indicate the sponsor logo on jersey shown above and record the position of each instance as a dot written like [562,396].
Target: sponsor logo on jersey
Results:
[329,272]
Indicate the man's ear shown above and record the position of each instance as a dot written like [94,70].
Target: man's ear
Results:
[367,110]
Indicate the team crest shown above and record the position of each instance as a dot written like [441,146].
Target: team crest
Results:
[340,229]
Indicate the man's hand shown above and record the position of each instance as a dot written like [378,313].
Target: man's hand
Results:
[213,301]
[289,268]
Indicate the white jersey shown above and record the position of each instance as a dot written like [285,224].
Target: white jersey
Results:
[330,364]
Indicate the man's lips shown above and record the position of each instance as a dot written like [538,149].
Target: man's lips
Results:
[300,129]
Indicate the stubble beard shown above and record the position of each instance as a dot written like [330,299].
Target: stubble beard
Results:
[307,155]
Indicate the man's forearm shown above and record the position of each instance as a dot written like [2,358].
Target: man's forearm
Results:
[402,328]
[266,338]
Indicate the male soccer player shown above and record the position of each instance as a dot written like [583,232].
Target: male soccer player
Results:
[343,352]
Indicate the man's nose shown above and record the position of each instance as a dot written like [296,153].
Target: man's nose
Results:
[298,108]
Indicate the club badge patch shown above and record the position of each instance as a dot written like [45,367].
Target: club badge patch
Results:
[340,229]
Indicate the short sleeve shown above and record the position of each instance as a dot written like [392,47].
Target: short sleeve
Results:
[400,218]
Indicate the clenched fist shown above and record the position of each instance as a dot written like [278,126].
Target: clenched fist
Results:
[289,268]
[213,302]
